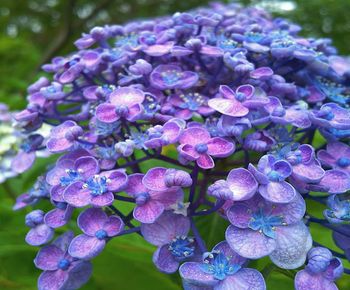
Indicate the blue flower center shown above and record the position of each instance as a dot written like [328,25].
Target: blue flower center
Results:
[191,101]
[104,129]
[171,77]
[279,112]
[97,185]
[101,234]
[127,40]
[343,162]
[122,110]
[63,264]
[254,36]
[151,105]
[142,198]
[108,152]
[265,223]
[274,176]
[240,97]
[72,62]
[115,54]
[50,90]
[218,265]
[201,148]
[26,147]
[326,113]
[72,175]
[226,44]
[182,247]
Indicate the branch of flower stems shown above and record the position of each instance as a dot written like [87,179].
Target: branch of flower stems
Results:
[326,224]
[197,237]
[217,206]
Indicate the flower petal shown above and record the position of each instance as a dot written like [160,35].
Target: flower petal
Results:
[113,226]
[306,281]
[154,179]
[292,244]
[205,161]
[39,235]
[194,136]
[86,166]
[148,212]
[229,107]
[248,243]
[164,260]
[165,228]
[85,247]
[48,258]
[278,192]
[244,279]
[219,147]
[242,184]
[52,280]
[337,181]
[23,161]
[135,185]
[76,195]
[102,200]
[91,220]
[192,273]
[106,113]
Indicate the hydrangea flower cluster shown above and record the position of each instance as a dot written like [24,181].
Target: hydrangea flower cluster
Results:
[218,111]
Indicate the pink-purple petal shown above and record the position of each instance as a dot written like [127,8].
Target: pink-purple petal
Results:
[242,184]
[53,280]
[76,195]
[278,192]
[248,243]
[106,113]
[48,258]
[164,260]
[113,226]
[244,279]
[292,244]
[219,147]
[86,247]
[165,228]
[91,220]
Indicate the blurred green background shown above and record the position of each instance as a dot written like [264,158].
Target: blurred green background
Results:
[31,33]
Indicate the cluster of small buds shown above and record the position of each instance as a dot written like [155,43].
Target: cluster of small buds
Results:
[218,111]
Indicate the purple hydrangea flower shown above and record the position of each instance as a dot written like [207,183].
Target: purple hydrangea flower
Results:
[221,269]
[337,156]
[320,272]
[239,185]
[305,166]
[63,137]
[169,133]
[156,191]
[338,210]
[186,105]
[331,115]
[238,103]
[40,233]
[27,154]
[271,175]
[60,270]
[97,189]
[97,228]
[197,145]
[172,77]
[170,234]
[123,103]
[260,228]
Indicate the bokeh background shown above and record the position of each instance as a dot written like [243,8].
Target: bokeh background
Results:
[31,33]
